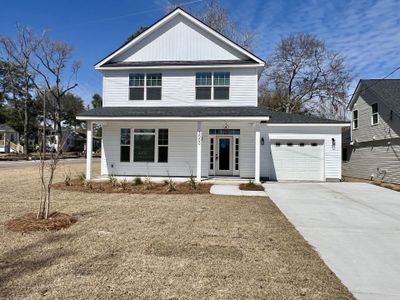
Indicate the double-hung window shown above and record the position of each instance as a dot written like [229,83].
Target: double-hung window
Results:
[125,145]
[374,116]
[221,85]
[355,119]
[203,85]
[136,86]
[153,83]
[145,86]
[212,86]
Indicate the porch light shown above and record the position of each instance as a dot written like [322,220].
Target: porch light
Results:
[226,128]
[262,141]
[333,143]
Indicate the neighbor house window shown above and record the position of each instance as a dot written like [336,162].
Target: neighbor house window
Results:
[221,85]
[374,116]
[203,85]
[145,86]
[125,145]
[153,83]
[144,145]
[355,119]
[162,145]
[136,86]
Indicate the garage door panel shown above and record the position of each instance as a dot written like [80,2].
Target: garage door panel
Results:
[297,160]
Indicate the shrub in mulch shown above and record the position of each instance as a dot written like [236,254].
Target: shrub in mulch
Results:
[131,187]
[29,222]
[250,187]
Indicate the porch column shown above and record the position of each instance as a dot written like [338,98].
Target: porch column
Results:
[89,149]
[257,154]
[199,142]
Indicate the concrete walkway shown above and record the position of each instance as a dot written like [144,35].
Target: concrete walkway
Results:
[355,227]
[233,190]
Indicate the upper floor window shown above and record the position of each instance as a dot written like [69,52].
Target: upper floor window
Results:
[355,119]
[212,85]
[221,85]
[145,86]
[203,85]
[374,116]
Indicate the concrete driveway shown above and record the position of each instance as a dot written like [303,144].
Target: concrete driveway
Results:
[355,227]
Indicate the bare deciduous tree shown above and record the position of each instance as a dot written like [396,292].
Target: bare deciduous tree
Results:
[218,18]
[19,52]
[303,75]
[52,60]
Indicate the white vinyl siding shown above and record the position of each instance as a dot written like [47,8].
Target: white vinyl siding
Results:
[179,40]
[179,88]
[388,126]
[181,149]
[332,164]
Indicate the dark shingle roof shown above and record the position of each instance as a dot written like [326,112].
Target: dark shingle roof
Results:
[177,63]
[5,127]
[203,111]
[386,90]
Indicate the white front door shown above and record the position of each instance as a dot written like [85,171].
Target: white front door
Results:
[223,156]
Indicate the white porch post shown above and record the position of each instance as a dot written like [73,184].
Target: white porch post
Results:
[199,142]
[257,154]
[89,149]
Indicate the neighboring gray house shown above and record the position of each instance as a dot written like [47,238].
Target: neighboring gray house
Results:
[373,150]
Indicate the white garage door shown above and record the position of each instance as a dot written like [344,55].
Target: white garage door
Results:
[298,160]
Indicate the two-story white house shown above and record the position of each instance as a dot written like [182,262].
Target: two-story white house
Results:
[180,99]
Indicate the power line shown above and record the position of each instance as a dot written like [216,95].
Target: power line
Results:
[375,83]
[123,16]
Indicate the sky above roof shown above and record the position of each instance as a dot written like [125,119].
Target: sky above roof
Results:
[366,32]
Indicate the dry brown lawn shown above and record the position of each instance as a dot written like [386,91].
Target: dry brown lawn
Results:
[129,246]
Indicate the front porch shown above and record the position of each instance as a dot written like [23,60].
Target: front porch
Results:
[209,150]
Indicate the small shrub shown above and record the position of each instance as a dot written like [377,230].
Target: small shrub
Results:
[138,181]
[124,184]
[251,182]
[88,184]
[113,180]
[67,179]
[166,182]
[148,183]
[171,185]
[192,182]
[82,178]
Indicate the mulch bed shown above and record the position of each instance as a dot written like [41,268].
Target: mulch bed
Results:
[388,185]
[29,222]
[250,187]
[131,188]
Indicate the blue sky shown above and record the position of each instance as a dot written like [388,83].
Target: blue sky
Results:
[366,32]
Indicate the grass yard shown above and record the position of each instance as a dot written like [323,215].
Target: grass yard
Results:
[152,246]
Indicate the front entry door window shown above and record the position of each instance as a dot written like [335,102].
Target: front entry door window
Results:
[224,156]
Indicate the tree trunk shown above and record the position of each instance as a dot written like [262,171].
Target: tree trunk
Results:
[26,119]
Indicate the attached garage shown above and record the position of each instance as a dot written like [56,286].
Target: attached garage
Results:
[298,159]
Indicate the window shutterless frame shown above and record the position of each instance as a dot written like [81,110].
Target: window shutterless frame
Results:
[374,114]
[145,86]
[355,119]
[212,85]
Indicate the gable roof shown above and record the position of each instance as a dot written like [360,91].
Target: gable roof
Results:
[385,90]
[191,112]
[191,18]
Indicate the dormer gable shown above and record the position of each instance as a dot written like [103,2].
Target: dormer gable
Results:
[179,38]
